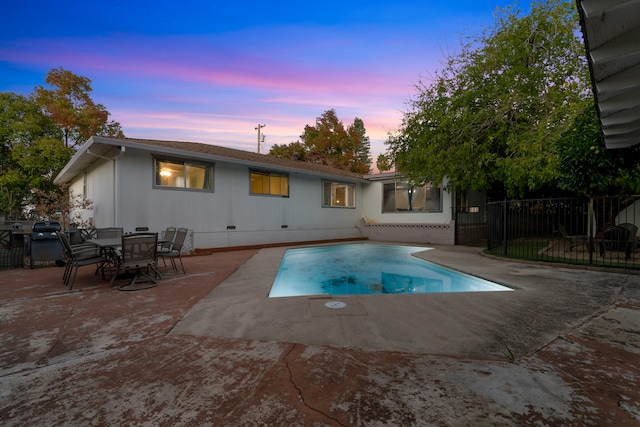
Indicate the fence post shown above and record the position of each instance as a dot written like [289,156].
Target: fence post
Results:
[591,229]
[504,226]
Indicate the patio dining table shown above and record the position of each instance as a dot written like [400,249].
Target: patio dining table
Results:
[106,243]
[113,243]
[110,247]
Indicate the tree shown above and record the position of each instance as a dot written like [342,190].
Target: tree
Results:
[586,167]
[328,142]
[384,162]
[295,150]
[69,104]
[62,204]
[361,146]
[32,152]
[490,118]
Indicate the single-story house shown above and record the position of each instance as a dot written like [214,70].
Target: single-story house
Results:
[234,198]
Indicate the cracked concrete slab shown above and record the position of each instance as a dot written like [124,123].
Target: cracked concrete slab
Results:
[200,350]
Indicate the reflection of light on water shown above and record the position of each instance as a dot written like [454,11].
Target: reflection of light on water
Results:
[364,268]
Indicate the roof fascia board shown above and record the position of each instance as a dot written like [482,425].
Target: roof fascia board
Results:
[217,158]
[77,155]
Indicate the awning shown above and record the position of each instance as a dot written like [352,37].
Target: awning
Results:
[612,38]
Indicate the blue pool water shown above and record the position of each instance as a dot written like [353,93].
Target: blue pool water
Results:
[365,268]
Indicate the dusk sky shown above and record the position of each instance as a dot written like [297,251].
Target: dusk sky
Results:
[211,71]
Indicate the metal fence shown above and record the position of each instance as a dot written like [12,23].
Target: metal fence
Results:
[12,249]
[471,226]
[585,231]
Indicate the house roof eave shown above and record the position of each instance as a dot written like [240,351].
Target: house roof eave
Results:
[102,147]
[611,30]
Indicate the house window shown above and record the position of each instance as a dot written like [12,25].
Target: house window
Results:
[338,194]
[194,176]
[270,184]
[400,196]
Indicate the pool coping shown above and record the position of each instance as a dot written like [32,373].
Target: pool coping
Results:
[547,301]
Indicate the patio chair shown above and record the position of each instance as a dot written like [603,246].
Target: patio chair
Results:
[87,233]
[108,232]
[5,239]
[78,256]
[572,240]
[165,246]
[616,238]
[176,250]
[633,234]
[138,255]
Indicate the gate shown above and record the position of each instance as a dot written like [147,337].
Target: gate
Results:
[471,225]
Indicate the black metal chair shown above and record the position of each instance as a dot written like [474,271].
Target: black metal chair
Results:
[633,232]
[109,232]
[5,239]
[79,256]
[616,238]
[165,246]
[175,250]
[138,254]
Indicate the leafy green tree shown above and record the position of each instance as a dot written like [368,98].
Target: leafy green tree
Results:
[490,118]
[32,152]
[69,104]
[330,143]
[384,162]
[586,167]
[294,150]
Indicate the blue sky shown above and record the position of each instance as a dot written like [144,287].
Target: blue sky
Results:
[211,71]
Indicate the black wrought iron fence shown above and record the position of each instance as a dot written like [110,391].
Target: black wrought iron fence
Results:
[590,231]
[471,226]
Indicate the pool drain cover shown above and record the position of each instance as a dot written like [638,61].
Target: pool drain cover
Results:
[335,304]
[335,307]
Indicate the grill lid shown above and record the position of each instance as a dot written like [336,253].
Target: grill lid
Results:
[41,226]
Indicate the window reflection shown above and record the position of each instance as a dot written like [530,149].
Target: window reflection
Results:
[183,175]
[401,196]
[269,183]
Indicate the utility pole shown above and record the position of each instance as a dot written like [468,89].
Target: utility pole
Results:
[258,129]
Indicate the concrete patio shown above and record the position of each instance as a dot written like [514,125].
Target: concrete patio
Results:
[210,348]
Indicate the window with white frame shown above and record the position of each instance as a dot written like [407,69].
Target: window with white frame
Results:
[338,194]
[183,174]
[401,196]
[269,183]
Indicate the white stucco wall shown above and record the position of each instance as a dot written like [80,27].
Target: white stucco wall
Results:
[409,227]
[257,219]
[124,196]
[100,191]
[372,209]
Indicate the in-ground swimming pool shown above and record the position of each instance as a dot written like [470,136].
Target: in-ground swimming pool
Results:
[365,268]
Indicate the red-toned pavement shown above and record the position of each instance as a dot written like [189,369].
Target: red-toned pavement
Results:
[97,356]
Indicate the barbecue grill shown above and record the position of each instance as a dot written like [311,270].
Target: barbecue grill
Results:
[45,245]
